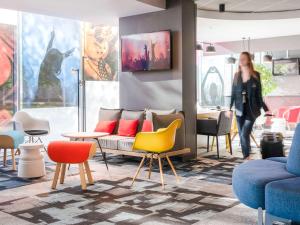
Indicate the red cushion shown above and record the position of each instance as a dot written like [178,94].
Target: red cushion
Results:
[128,127]
[106,126]
[147,126]
[69,151]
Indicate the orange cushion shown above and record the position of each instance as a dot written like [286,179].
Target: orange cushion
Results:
[106,126]
[128,128]
[147,126]
[69,151]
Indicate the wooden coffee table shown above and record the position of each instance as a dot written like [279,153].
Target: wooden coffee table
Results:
[77,136]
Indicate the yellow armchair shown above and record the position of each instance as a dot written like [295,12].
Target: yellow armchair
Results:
[154,144]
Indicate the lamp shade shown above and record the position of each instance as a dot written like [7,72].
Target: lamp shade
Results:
[199,47]
[231,60]
[267,58]
[210,49]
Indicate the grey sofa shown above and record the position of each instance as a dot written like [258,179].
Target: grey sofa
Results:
[121,145]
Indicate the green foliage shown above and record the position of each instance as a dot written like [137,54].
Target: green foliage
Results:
[267,81]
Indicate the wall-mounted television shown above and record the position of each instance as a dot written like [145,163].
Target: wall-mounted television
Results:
[286,67]
[146,51]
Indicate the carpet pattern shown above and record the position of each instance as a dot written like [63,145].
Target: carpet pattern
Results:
[115,202]
[9,178]
[207,168]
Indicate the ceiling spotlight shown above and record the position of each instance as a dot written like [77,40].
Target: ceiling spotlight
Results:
[267,58]
[231,60]
[221,7]
[199,47]
[210,49]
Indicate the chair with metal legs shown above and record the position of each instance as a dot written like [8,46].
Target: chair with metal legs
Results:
[33,128]
[216,128]
[157,146]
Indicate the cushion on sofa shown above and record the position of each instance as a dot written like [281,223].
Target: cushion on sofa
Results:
[111,141]
[106,126]
[147,126]
[125,144]
[163,121]
[128,128]
[149,113]
[109,115]
[250,178]
[293,162]
[134,115]
[283,199]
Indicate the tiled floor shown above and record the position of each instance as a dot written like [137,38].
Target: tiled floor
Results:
[203,195]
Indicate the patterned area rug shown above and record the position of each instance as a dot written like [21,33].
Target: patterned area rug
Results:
[114,202]
[9,178]
[207,168]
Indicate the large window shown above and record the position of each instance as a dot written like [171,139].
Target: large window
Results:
[63,70]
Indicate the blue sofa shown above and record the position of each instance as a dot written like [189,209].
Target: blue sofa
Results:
[272,185]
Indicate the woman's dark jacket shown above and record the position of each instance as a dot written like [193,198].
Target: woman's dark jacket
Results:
[254,95]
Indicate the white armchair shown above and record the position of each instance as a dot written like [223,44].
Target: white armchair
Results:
[32,127]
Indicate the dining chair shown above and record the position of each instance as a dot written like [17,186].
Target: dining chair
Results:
[215,128]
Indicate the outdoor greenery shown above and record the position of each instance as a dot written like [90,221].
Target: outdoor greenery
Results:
[266,76]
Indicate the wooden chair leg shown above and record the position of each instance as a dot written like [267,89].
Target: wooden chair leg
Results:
[88,172]
[212,144]
[233,136]
[230,144]
[14,167]
[56,175]
[161,172]
[138,170]
[150,166]
[173,168]
[82,176]
[4,156]
[63,173]
[253,138]
[218,147]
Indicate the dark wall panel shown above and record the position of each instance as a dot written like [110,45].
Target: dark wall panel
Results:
[175,88]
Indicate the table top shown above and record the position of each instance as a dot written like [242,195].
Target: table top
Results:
[84,134]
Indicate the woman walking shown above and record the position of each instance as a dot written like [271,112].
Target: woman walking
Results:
[247,98]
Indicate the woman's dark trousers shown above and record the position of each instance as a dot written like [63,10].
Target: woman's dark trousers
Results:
[245,128]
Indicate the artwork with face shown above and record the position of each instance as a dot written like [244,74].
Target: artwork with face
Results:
[100,52]
[7,86]
[50,51]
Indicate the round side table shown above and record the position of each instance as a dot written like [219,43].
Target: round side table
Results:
[31,162]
